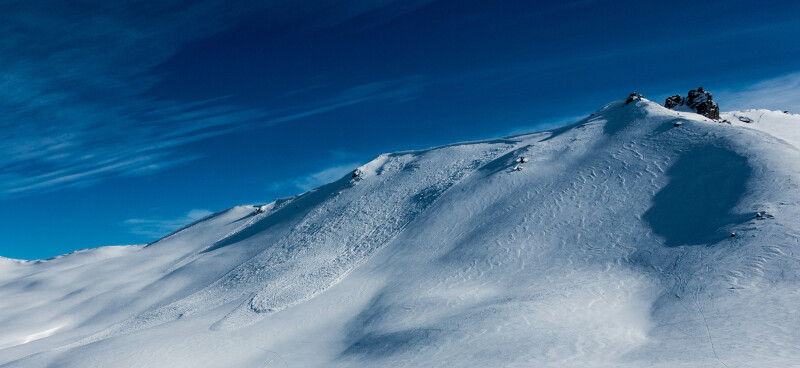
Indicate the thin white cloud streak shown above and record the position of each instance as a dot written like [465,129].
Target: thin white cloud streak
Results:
[158,227]
[542,125]
[342,165]
[72,83]
[324,176]
[779,93]
[389,90]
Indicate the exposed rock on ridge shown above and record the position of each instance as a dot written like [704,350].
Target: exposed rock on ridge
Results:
[698,100]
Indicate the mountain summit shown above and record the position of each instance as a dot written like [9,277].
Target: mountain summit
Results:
[637,236]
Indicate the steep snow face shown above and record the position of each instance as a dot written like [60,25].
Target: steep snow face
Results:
[611,246]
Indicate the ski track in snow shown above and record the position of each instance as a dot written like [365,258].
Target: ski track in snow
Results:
[609,248]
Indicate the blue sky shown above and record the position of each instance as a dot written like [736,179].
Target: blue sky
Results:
[122,120]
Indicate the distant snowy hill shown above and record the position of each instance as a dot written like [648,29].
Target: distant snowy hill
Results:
[638,236]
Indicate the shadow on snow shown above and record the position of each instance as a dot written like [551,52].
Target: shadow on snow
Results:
[705,185]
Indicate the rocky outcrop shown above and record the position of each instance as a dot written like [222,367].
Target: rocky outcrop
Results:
[701,102]
[698,100]
[673,101]
[633,97]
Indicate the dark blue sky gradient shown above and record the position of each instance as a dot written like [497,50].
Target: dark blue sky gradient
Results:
[290,90]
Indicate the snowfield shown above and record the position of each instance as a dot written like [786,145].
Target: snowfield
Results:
[623,241]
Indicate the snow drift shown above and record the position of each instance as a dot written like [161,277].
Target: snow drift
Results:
[638,236]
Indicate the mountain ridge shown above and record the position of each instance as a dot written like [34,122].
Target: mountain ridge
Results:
[593,253]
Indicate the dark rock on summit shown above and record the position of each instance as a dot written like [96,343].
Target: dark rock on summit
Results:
[633,97]
[701,102]
[698,100]
[708,109]
[673,101]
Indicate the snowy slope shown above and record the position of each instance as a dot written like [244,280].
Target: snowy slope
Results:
[779,124]
[611,247]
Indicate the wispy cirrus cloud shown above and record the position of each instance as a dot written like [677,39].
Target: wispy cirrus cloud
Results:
[158,227]
[533,126]
[324,176]
[397,90]
[340,164]
[779,93]
[74,78]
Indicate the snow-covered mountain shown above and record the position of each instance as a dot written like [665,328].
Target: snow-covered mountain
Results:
[638,236]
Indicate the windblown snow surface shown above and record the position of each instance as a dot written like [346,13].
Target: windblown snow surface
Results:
[611,247]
